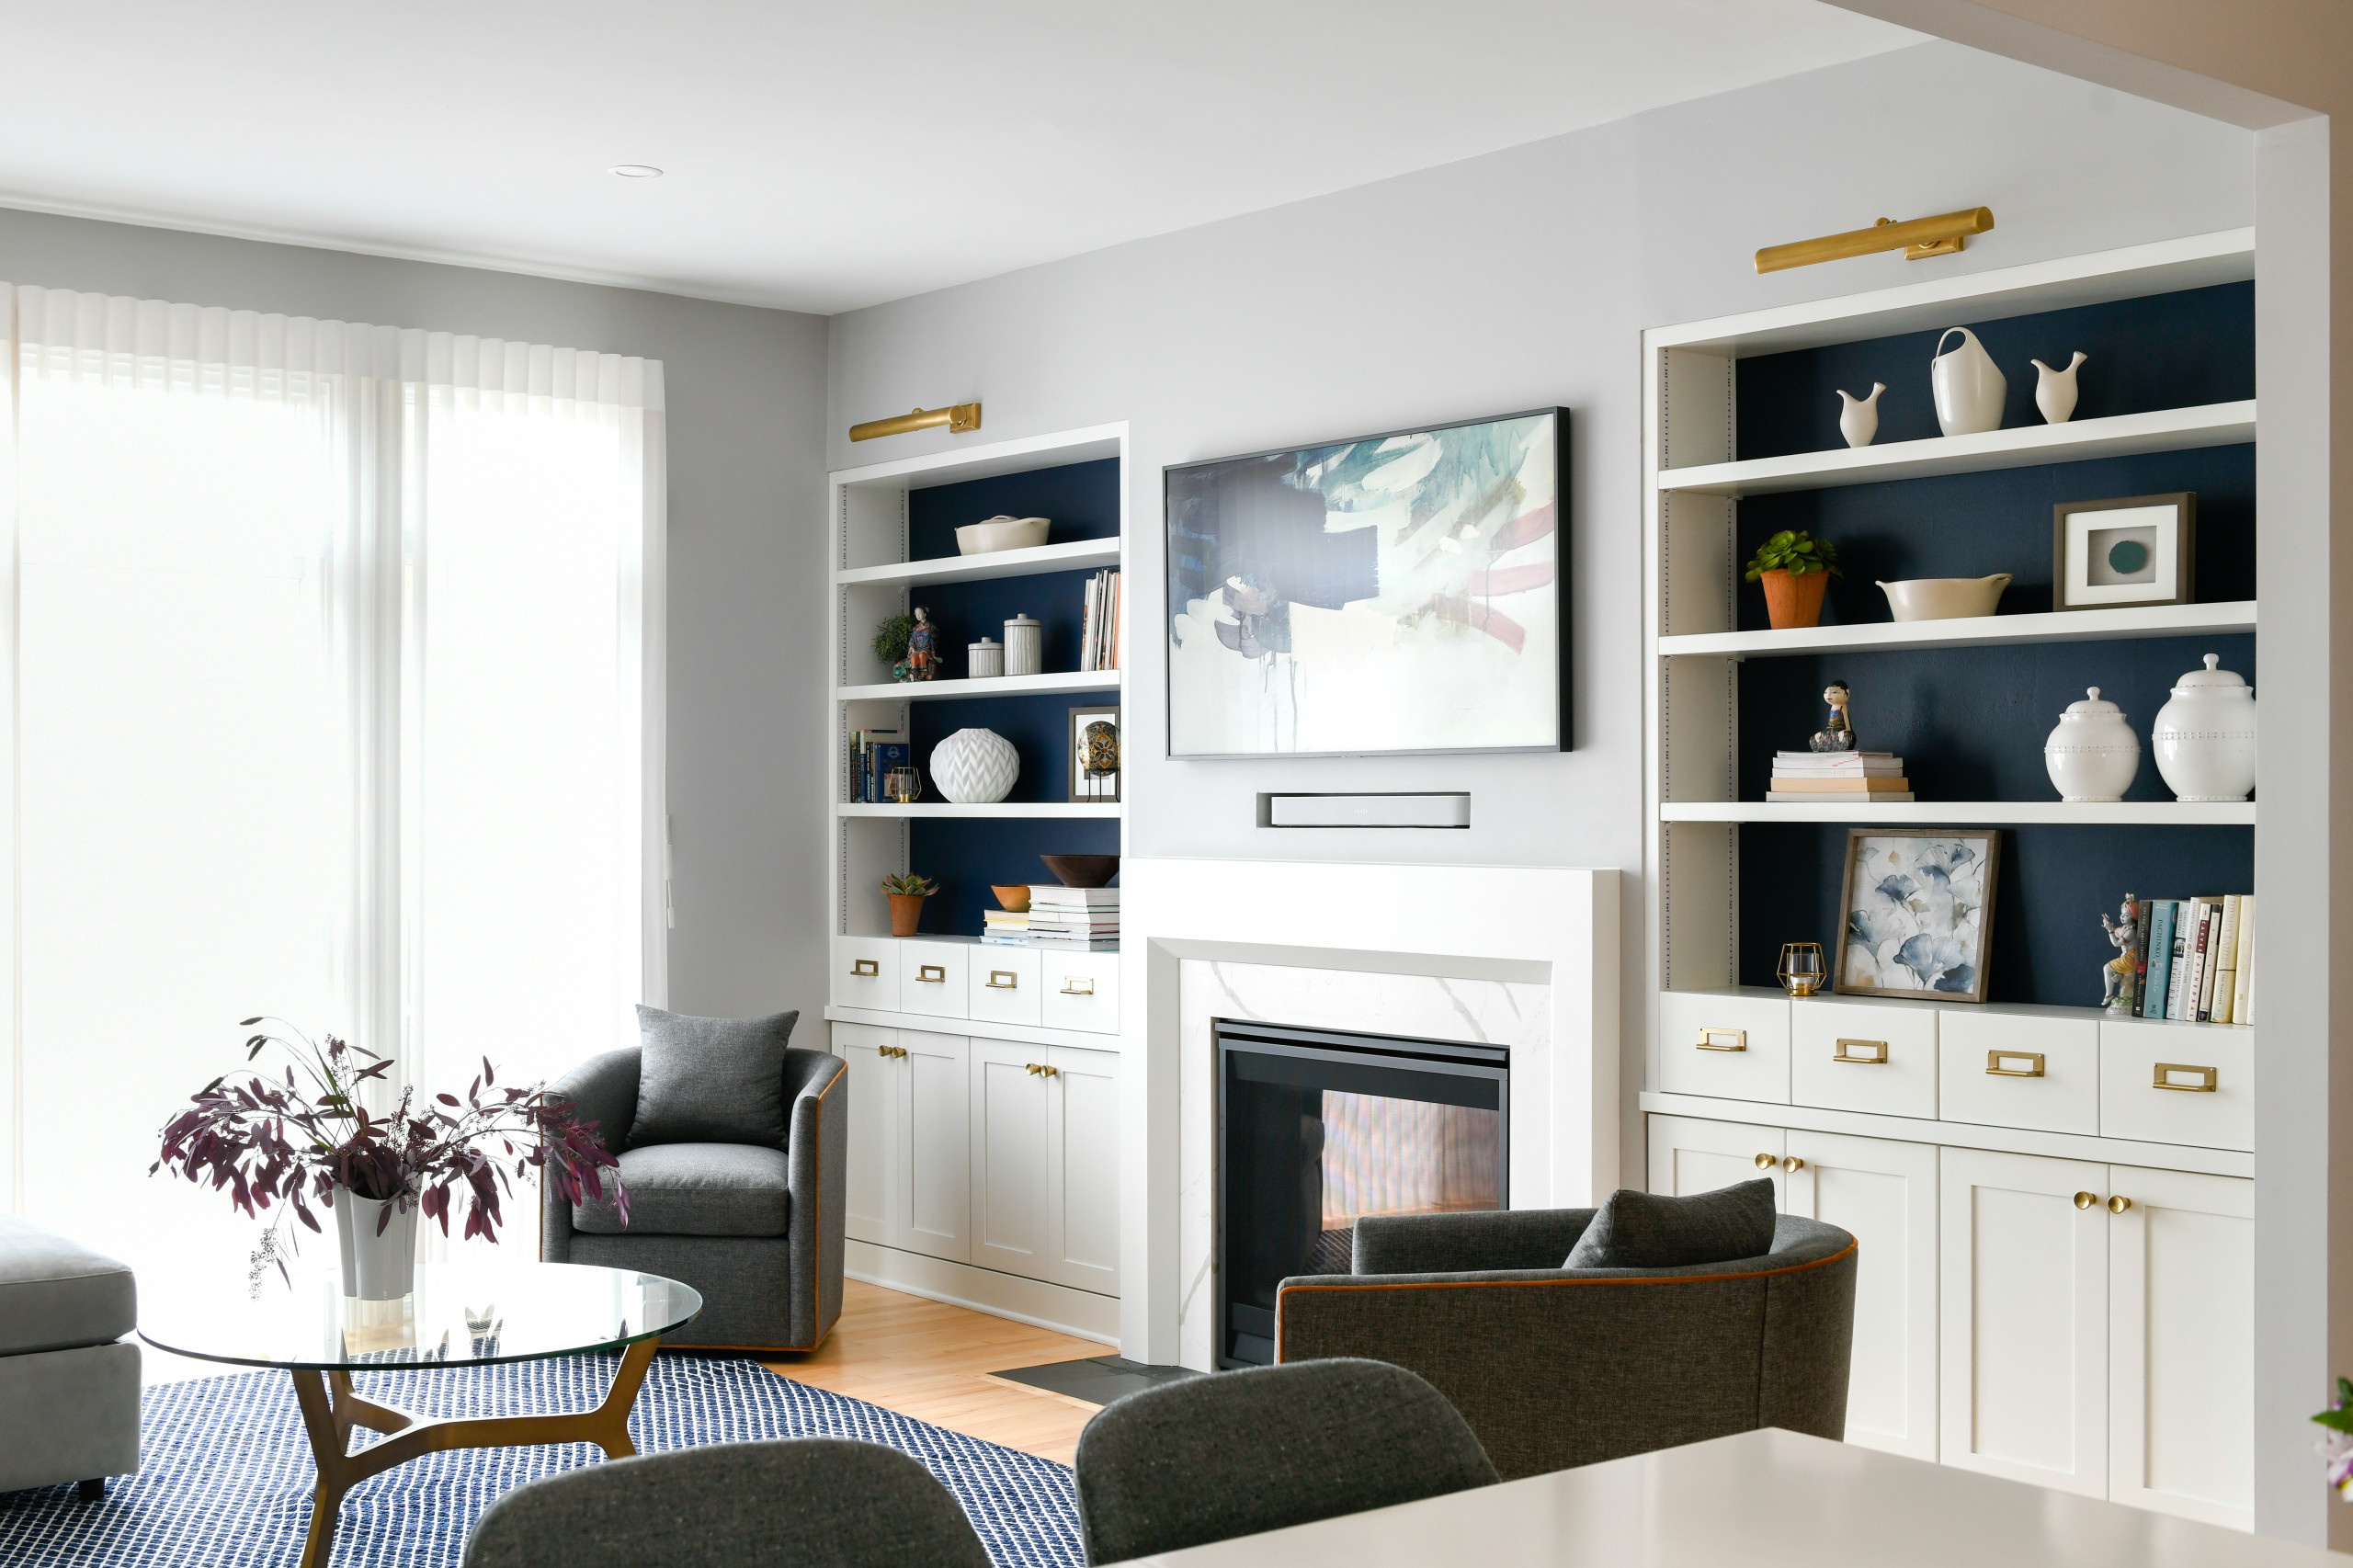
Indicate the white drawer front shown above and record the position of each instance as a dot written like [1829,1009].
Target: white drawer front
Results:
[1003,985]
[1081,991]
[1731,1047]
[865,973]
[2206,1071]
[2008,1070]
[1855,1056]
[932,978]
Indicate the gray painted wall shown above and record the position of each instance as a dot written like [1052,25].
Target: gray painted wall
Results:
[746,398]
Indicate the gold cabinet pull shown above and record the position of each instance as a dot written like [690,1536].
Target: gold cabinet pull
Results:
[2118,1204]
[2033,1059]
[1003,980]
[889,1051]
[1037,1070]
[1792,1163]
[1848,1047]
[2205,1086]
[1078,985]
[2085,1199]
[1738,1038]
[931,974]
[865,968]
[1766,1162]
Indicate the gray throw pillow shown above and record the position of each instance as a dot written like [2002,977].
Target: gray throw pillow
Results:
[1645,1230]
[711,1080]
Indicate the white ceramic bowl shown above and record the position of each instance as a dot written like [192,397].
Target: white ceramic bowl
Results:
[1000,533]
[1944,598]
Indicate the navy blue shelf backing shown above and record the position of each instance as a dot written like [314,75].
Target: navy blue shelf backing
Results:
[2175,350]
[1083,500]
[966,855]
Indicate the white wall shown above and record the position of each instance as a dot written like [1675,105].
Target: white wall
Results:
[745,389]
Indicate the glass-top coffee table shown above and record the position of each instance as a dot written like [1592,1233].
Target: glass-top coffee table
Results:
[460,1314]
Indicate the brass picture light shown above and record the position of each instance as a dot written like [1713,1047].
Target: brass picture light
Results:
[1918,238]
[960,419]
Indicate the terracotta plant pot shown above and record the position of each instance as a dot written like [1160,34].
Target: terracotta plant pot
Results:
[906,912]
[1791,600]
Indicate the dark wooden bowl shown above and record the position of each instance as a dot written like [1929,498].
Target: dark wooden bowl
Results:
[1083,870]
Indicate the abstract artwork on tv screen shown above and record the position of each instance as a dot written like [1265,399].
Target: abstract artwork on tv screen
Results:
[1394,594]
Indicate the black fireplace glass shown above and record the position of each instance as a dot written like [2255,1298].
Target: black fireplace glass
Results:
[1317,1127]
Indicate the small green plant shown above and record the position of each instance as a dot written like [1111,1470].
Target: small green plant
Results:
[911,885]
[890,638]
[1797,553]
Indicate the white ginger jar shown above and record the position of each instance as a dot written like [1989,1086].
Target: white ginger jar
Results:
[975,767]
[2204,739]
[2093,754]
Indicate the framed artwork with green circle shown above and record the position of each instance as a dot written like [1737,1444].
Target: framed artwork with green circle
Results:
[2132,550]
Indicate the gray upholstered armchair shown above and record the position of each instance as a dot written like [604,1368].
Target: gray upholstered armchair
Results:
[756,1229]
[1558,1366]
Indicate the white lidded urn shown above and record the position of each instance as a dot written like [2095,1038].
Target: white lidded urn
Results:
[2204,738]
[2093,754]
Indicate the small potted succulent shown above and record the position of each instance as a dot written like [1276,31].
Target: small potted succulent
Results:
[906,892]
[1796,569]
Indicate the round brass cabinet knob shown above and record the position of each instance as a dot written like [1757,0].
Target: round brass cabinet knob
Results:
[2084,1201]
[2118,1204]
[1766,1162]
[1792,1164]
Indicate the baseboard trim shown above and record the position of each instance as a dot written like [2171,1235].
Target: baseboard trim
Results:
[1079,1314]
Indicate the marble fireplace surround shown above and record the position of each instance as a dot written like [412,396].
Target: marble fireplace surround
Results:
[1522,957]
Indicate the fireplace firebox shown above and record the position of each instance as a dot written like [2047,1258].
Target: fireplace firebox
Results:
[1316,1128]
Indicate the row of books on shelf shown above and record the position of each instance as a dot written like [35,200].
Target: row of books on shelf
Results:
[1077,918]
[1098,635]
[2196,960]
[873,754]
[1814,777]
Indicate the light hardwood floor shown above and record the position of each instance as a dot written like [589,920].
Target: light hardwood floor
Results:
[931,1360]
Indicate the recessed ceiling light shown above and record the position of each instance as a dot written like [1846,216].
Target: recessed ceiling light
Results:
[636,171]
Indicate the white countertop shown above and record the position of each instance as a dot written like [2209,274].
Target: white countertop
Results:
[1766,1499]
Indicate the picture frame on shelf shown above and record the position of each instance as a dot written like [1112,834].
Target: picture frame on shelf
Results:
[1916,912]
[1095,742]
[2129,549]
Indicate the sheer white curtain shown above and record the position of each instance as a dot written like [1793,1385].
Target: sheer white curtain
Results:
[332,655]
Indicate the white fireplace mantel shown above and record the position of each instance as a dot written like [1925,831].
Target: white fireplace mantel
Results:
[1549,927]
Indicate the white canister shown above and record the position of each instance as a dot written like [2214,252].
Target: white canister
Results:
[984,659]
[1025,646]
[2205,737]
[2093,754]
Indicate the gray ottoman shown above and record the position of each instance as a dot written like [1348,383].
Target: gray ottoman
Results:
[69,1377]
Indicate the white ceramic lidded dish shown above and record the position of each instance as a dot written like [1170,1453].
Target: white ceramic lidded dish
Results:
[2204,738]
[1024,645]
[984,659]
[1001,533]
[2093,754]
[1944,598]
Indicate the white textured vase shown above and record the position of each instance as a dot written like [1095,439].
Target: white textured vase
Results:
[375,1267]
[2093,754]
[2204,738]
[974,768]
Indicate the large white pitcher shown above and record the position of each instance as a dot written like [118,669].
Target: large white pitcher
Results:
[1969,386]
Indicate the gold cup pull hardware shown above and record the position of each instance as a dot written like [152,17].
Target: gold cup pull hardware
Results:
[1003,980]
[2118,1204]
[931,974]
[889,1051]
[1792,1163]
[1078,985]
[2033,1059]
[2086,1199]
[1037,1070]
[865,968]
[1848,1047]
[1738,1039]
[2205,1086]
[1766,1162]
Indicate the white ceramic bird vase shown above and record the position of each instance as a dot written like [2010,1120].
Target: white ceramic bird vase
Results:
[2054,391]
[1859,416]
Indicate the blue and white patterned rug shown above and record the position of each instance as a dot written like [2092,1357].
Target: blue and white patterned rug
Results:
[225,1476]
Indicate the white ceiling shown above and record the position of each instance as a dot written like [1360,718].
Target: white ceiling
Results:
[819,155]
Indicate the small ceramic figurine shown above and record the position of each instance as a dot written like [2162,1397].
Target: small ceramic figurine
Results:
[922,648]
[2054,391]
[1859,416]
[2119,976]
[1838,735]
[1969,386]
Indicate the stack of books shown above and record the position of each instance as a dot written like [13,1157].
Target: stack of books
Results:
[1005,927]
[2197,959]
[1815,777]
[1098,635]
[1075,917]
[873,753]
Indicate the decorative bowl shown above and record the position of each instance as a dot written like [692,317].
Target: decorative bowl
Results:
[1944,598]
[1000,533]
[1013,896]
[1083,870]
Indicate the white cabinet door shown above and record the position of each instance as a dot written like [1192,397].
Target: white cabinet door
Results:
[874,1156]
[1010,1212]
[2023,1283]
[1885,1192]
[934,1215]
[1688,1154]
[1083,1168]
[2181,1326]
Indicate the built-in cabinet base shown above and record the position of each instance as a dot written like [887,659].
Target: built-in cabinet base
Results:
[1080,1313]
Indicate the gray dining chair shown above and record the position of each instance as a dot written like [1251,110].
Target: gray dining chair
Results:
[1236,1454]
[801,1502]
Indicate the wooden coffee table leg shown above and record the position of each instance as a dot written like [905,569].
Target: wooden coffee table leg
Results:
[611,1431]
[320,1419]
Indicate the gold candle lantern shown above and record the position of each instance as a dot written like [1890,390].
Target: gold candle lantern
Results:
[1801,972]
